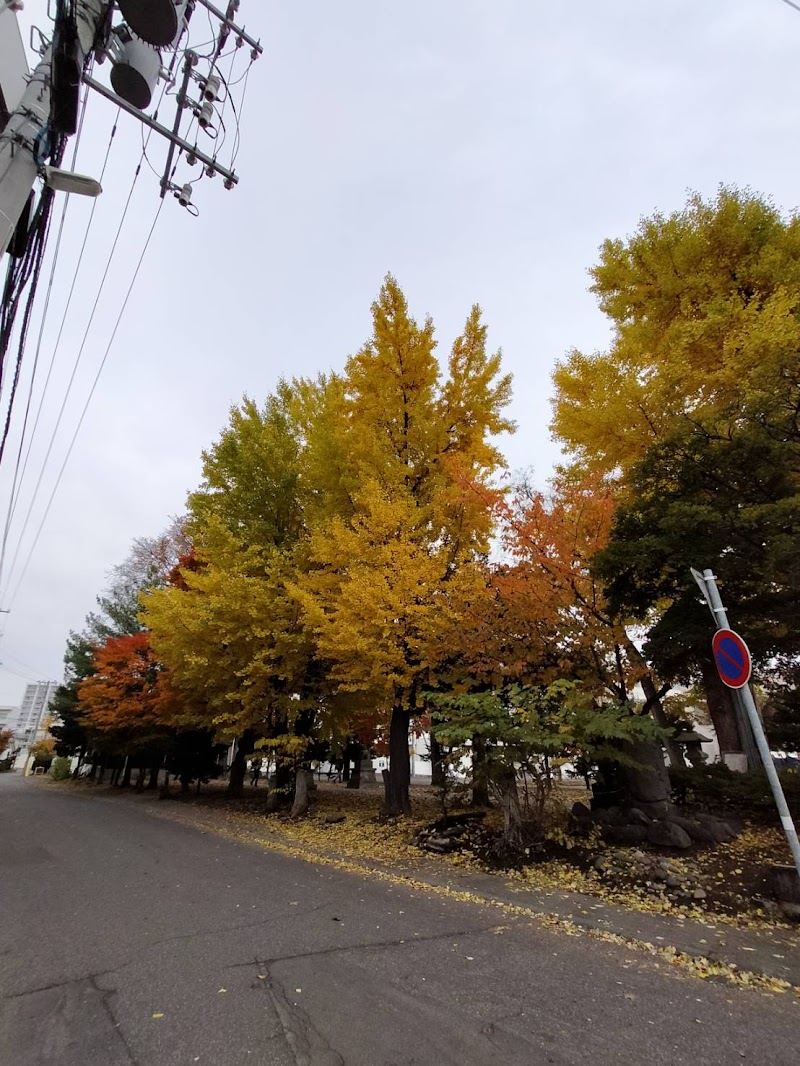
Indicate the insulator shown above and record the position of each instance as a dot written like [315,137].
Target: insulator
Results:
[206,115]
[211,88]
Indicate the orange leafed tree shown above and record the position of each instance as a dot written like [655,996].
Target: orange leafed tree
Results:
[541,613]
[6,736]
[543,616]
[129,698]
[552,540]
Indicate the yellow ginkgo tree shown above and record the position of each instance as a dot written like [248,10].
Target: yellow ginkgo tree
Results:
[392,550]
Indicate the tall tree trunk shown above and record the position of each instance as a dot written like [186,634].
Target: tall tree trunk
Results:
[152,781]
[512,811]
[245,747]
[301,790]
[282,785]
[126,774]
[76,773]
[354,775]
[656,708]
[140,780]
[653,702]
[438,768]
[398,798]
[480,780]
[732,735]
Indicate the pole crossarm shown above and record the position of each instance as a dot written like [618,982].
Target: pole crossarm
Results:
[238,30]
[178,141]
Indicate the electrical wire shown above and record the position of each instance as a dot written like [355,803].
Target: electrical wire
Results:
[34,258]
[17,673]
[86,405]
[238,139]
[17,478]
[23,664]
[75,275]
[35,267]
[83,342]
[77,363]
[60,331]
[791,3]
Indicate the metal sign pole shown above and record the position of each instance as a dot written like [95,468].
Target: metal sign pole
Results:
[721,622]
[711,593]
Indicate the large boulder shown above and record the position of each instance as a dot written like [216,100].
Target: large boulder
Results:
[625,835]
[700,834]
[668,835]
[784,881]
[721,831]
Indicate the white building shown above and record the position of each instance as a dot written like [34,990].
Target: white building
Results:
[33,714]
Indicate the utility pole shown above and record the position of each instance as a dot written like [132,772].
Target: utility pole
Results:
[135,49]
[22,142]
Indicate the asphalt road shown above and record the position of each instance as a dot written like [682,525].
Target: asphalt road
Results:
[130,939]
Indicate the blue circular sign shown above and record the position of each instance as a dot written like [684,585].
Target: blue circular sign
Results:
[732,657]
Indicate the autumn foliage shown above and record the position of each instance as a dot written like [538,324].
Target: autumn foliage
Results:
[356,554]
[129,697]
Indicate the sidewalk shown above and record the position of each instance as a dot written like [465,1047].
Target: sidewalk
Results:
[767,952]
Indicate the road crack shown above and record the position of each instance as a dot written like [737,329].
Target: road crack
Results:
[305,1042]
[105,996]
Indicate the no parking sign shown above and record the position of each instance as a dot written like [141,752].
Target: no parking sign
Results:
[732,657]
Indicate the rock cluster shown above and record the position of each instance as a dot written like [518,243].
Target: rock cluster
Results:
[659,876]
[447,834]
[785,885]
[631,826]
[441,841]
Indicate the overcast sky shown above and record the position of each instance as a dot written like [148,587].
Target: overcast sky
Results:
[480,150]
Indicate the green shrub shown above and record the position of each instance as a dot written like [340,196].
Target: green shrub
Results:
[717,787]
[60,770]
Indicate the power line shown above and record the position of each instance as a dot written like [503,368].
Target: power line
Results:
[17,479]
[75,275]
[17,673]
[86,405]
[83,342]
[791,3]
[75,366]
[23,664]
[32,265]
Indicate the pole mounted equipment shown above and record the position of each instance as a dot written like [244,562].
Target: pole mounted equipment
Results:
[144,50]
[155,21]
[67,64]
[69,182]
[136,68]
